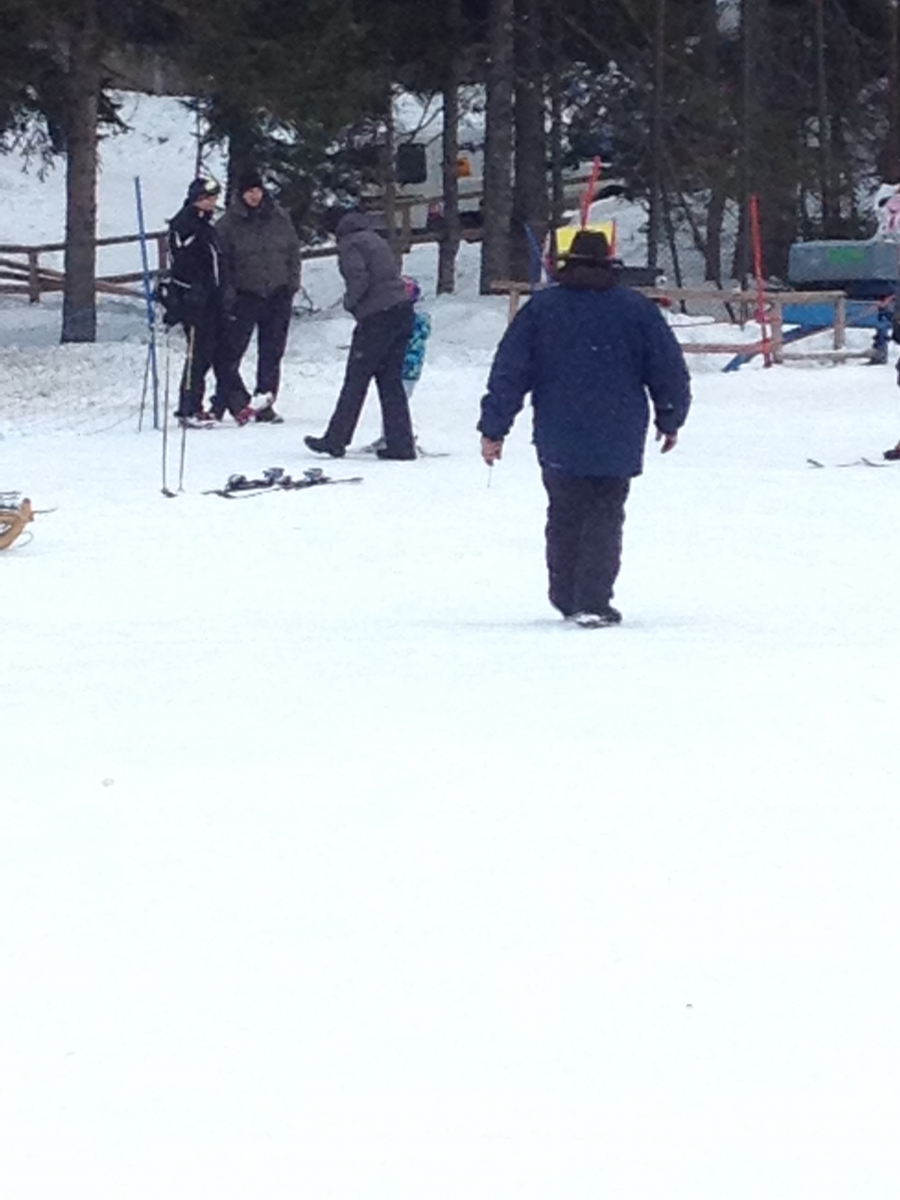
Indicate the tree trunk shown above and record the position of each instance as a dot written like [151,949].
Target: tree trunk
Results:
[891,164]
[657,136]
[718,147]
[449,244]
[389,178]
[79,318]
[824,129]
[498,144]
[530,199]
[557,195]
[715,220]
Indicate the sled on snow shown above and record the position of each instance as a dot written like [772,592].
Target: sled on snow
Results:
[15,514]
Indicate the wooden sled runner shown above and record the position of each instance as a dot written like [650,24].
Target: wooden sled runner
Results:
[13,520]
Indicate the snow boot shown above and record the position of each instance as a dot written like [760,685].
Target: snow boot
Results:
[892,455]
[265,409]
[323,446]
[598,620]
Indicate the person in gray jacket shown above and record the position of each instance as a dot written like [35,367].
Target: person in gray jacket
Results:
[260,254]
[376,296]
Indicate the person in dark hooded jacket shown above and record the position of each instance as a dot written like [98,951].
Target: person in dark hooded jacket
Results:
[589,351]
[261,262]
[376,296]
[194,300]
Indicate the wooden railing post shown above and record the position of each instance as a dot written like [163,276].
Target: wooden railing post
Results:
[162,252]
[776,321]
[405,229]
[34,276]
[840,323]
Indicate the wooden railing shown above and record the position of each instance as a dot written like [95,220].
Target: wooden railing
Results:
[23,273]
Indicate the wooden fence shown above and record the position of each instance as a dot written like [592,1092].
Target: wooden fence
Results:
[745,303]
[23,273]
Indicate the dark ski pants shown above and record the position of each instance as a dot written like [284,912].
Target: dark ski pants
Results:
[377,351]
[205,350]
[585,517]
[270,317]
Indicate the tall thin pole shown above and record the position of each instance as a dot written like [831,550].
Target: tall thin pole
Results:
[759,272]
[148,298]
[892,150]
[825,171]
[654,238]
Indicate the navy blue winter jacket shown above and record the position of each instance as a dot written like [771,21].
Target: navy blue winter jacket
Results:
[589,358]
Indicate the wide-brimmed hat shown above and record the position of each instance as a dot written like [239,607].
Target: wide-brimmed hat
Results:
[589,248]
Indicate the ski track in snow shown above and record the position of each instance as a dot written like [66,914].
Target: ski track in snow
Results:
[332,864]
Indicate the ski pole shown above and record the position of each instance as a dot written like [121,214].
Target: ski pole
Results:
[165,436]
[148,297]
[187,384]
[144,394]
[182,457]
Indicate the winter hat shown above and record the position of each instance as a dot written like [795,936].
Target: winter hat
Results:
[251,178]
[413,290]
[589,248]
[201,187]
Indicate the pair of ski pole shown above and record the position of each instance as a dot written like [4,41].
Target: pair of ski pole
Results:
[166,490]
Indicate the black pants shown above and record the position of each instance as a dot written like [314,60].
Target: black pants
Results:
[270,316]
[205,349]
[377,351]
[584,539]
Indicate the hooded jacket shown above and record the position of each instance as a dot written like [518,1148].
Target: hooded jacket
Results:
[370,271]
[590,352]
[193,250]
[259,247]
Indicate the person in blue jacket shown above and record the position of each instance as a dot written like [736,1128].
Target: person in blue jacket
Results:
[589,351]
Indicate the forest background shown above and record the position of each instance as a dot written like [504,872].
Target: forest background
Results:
[693,106]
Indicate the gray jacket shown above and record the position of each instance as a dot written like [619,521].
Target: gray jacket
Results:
[371,273]
[259,247]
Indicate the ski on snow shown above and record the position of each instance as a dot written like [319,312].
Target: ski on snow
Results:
[239,487]
[856,462]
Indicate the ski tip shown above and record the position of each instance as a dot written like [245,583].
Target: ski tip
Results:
[814,462]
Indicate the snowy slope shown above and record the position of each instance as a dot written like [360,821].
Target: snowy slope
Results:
[333,865]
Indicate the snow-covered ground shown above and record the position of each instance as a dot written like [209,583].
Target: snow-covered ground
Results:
[334,865]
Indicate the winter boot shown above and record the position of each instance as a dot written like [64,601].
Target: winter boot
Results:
[323,446]
[598,620]
[265,409]
[892,455]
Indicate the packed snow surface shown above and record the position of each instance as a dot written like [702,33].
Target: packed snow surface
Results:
[333,864]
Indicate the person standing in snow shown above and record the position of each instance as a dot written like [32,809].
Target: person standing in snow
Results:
[261,262]
[377,298]
[589,351]
[194,300]
[414,358]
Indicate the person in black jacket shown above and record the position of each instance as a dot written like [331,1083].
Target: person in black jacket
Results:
[589,351]
[195,301]
[261,260]
[376,296]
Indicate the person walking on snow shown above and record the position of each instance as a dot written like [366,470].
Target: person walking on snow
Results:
[261,262]
[414,358]
[376,296]
[589,351]
[194,300]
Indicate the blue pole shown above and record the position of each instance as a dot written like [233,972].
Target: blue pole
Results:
[148,297]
